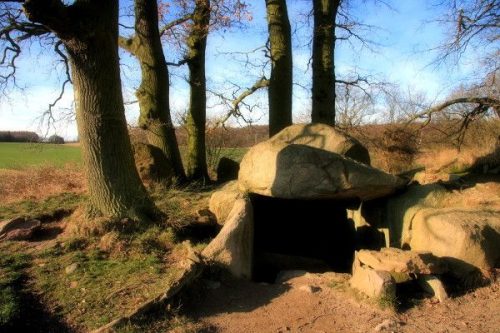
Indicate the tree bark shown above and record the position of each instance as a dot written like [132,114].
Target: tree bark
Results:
[280,83]
[323,65]
[197,41]
[89,31]
[153,93]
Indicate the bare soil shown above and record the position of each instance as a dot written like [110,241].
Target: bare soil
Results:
[239,306]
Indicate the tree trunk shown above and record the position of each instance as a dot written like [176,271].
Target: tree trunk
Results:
[89,30]
[196,119]
[153,93]
[323,82]
[280,83]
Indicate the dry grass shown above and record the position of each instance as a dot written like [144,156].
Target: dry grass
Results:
[450,160]
[483,196]
[38,183]
[436,160]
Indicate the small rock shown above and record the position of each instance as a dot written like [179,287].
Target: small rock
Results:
[73,284]
[434,286]
[309,289]
[71,268]
[385,325]
[306,288]
[371,282]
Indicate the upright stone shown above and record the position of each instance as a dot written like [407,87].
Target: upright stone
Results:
[221,202]
[469,239]
[233,246]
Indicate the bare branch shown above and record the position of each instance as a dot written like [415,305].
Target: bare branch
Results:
[471,24]
[174,23]
[179,63]
[238,100]
[484,103]
[262,83]
[64,57]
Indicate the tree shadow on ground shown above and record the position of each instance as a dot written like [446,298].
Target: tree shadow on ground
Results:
[34,317]
[232,296]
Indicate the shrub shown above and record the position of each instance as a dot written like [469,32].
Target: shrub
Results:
[398,148]
[56,139]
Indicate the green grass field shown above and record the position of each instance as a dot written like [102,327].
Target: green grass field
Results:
[22,155]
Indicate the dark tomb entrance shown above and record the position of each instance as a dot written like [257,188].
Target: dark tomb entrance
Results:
[311,235]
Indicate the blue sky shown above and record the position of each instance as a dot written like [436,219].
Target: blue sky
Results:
[403,32]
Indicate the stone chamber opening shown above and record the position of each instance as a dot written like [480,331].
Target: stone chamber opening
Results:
[292,234]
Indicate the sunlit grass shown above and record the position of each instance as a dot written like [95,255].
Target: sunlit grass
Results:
[22,155]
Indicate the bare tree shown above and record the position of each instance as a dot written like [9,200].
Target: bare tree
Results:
[323,64]
[352,107]
[153,93]
[196,19]
[333,24]
[471,24]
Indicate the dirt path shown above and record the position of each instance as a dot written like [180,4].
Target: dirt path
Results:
[333,307]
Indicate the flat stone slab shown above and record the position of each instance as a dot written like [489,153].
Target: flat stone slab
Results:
[400,261]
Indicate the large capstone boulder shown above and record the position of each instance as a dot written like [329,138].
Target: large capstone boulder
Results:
[468,239]
[324,137]
[233,246]
[296,171]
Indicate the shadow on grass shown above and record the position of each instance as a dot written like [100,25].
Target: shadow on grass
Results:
[33,316]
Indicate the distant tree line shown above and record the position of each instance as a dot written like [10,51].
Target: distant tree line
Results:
[18,136]
[27,136]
